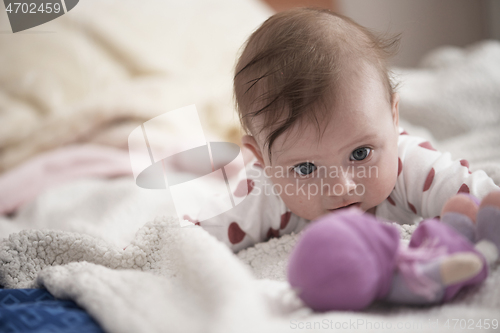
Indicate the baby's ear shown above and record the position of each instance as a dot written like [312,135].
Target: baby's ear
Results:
[395,108]
[249,142]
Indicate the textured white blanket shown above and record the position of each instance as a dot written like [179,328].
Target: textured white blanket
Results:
[173,279]
[168,279]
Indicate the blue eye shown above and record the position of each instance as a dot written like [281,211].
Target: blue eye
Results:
[304,169]
[360,154]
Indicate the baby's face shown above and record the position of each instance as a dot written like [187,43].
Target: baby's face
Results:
[355,163]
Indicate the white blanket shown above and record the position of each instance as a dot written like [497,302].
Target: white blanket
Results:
[172,279]
[168,279]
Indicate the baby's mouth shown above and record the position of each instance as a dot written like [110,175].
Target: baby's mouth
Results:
[354,204]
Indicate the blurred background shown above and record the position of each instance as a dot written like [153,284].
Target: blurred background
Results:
[427,24]
[424,24]
[91,76]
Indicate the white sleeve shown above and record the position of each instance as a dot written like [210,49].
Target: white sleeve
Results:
[259,217]
[427,178]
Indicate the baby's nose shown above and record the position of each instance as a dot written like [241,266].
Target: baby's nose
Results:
[350,186]
[338,186]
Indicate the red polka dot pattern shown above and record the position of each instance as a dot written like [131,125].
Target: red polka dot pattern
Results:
[391,201]
[244,187]
[234,233]
[285,218]
[429,179]
[272,233]
[412,208]
[465,163]
[426,145]
[187,217]
[403,133]
[464,189]
[400,166]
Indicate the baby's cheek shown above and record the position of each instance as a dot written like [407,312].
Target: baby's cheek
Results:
[387,177]
[378,185]
[297,200]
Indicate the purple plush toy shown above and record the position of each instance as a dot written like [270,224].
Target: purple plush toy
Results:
[348,259]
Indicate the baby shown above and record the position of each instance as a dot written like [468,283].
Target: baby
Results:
[314,95]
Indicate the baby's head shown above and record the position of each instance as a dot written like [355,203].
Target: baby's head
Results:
[313,91]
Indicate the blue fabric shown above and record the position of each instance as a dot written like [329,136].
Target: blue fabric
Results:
[36,310]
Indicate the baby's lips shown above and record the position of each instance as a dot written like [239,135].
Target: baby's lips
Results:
[351,205]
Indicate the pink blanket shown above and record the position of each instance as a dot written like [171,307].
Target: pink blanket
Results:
[22,184]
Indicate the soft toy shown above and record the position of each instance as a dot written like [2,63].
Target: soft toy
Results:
[345,260]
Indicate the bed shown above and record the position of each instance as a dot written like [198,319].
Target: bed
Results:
[71,92]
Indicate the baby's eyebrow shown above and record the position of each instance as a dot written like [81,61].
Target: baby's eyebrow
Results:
[363,139]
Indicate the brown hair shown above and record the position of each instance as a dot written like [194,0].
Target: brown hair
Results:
[292,60]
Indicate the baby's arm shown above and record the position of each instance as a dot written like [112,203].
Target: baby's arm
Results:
[260,216]
[428,178]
